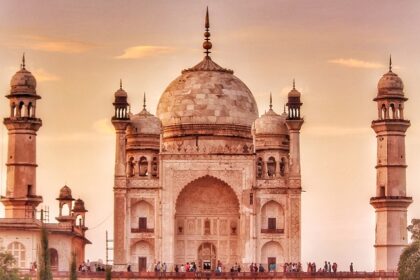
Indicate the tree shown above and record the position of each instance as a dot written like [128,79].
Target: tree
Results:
[7,270]
[73,267]
[409,265]
[44,265]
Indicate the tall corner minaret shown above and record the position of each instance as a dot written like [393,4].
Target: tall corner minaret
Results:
[391,200]
[294,123]
[120,120]
[22,125]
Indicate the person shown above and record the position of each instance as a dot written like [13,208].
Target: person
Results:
[164,267]
[182,268]
[334,267]
[129,268]
[176,268]
[239,268]
[329,267]
[325,266]
[351,267]
[261,268]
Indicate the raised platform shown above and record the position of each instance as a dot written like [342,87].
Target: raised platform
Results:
[227,275]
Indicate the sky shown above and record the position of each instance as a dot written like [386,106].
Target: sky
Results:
[336,50]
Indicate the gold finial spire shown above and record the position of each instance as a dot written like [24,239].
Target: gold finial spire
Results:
[120,83]
[207,44]
[390,63]
[271,101]
[294,84]
[144,101]
[22,66]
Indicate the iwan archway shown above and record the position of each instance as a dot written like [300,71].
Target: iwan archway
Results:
[207,223]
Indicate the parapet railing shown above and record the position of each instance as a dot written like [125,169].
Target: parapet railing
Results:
[227,275]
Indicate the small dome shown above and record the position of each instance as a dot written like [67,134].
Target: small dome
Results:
[65,193]
[294,93]
[271,123]
[120,93]
[144,123]
[79,206]
[390,83]
[23,82]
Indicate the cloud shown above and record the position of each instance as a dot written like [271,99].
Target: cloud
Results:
[48,44]
[41,75]
[103,126]
[144,51]
[355,63]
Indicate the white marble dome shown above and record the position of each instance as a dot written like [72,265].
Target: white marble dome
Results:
[271,123]
[144,123]
[207,94]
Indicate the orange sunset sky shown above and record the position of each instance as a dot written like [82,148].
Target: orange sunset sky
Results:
[336,50]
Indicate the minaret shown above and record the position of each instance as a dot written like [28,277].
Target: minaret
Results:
[294,123]
[120,120]
[391,201]
[22,124]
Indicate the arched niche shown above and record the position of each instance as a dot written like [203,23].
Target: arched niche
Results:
[142,215]
[272,217]
[142,256]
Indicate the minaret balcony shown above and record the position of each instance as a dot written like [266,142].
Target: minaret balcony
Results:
[391,201]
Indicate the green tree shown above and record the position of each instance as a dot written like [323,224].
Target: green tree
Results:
[7,269]
[409,265]
[73,267]
[44,265]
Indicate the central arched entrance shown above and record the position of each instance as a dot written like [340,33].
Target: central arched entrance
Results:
[207,256]
[207,224]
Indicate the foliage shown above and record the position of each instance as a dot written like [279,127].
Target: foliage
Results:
[7,270]
[73,267]
[108,272]
[409,265]
[44,265]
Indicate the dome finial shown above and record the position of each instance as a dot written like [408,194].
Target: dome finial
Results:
[294,84]
[390,63]
[207,44]
[144,101]
[120,83]
[271,101]
[22,66]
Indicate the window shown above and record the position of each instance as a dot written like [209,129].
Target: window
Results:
[207,227]
[19,253]
[271,167]
[29,193]
[282,166]
[142,223]
[143,166]
[382,191]
[259,168]
[271,223]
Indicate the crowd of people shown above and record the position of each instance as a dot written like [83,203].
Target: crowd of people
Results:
[328,267]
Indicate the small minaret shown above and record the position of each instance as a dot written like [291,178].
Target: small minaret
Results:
[65,202]
[120,120]
[294,123]
[391,201]
[22,124]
